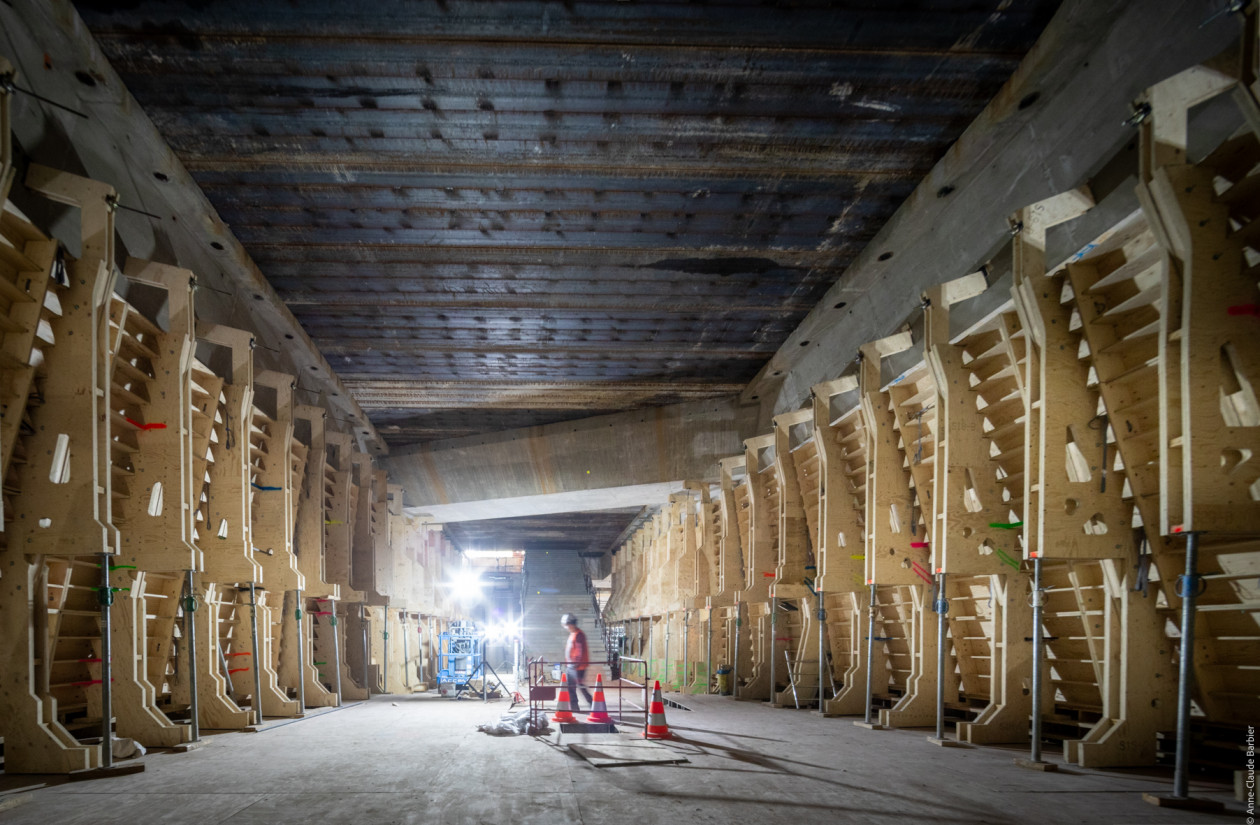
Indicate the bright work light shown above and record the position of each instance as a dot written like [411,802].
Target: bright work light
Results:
[465,585]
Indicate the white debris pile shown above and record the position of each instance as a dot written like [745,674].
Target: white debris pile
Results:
[516,724]
[126,748]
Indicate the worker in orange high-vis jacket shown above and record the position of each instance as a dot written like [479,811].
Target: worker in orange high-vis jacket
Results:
[578,658]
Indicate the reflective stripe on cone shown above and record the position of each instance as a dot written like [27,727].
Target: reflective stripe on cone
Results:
[656,727]
[599,707]
[563,714]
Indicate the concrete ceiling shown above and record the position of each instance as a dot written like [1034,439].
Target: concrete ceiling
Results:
[497,215]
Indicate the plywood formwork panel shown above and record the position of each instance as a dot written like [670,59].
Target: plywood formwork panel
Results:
[797,628]
[135,708]
[67,505]
[897,548]
[227,536]
[340,508]
[1202,216]
[359,671]
[150,423]
[757,498]
[1070,512]
[30,292]
[216,708]
[369,511]
[982,525]
[310,523]
[840,439]
[699,622]
[222,521]
[154,495]
[60,491]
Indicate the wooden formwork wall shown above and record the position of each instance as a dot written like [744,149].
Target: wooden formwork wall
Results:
[152,479]
[1095,411]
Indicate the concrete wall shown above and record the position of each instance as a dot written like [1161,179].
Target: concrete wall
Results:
[662,444]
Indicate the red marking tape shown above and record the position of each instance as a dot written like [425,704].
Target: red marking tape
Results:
[244,653]
[1245,309]
[320,612]
[767,575]
[918,544]
[923,574]
[154,426]
[237,669]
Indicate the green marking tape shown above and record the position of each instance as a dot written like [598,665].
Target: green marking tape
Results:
[1004,525]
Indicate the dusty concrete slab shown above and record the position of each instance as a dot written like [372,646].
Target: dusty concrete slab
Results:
[620,750]
[420,759]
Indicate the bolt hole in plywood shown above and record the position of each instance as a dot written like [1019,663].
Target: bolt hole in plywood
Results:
[1096,526]
[1077,465]
[1239,407]
[155,500]
[59,472]
[971,498]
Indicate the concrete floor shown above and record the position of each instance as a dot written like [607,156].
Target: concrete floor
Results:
[419,759]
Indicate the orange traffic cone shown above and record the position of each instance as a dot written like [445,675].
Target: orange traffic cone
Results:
[563,714]
[656,727]
[599,707]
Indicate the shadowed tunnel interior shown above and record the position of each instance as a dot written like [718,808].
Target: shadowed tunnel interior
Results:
[492,216]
